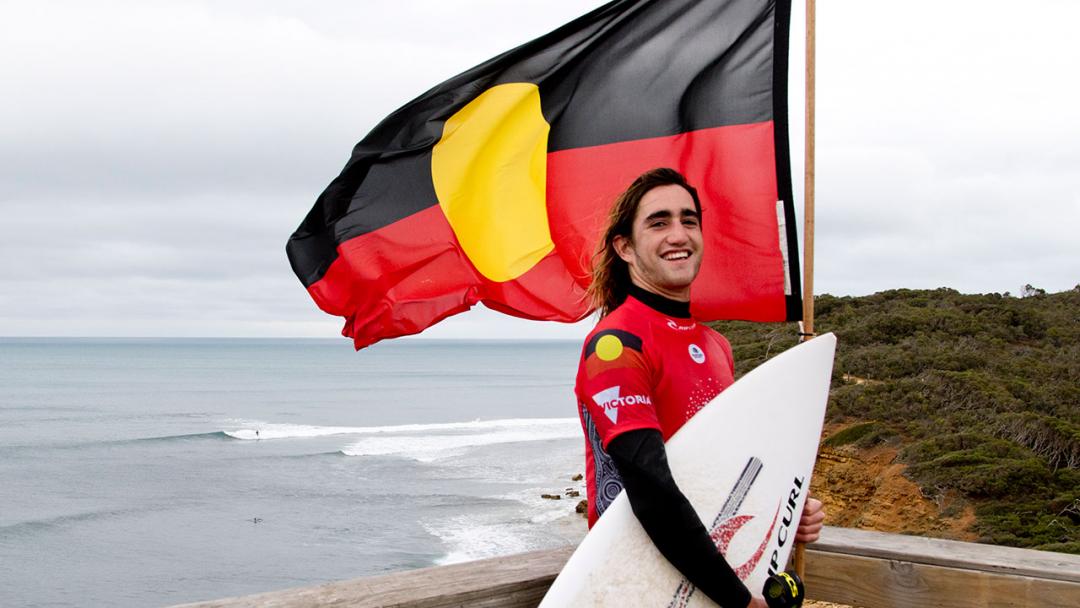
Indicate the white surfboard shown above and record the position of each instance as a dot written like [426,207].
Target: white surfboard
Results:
[744,462]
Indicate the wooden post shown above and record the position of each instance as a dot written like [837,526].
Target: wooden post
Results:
[808,192]
[808,221]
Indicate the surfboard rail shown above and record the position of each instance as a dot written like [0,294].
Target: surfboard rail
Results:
[855,567]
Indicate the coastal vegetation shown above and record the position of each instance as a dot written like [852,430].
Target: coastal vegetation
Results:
[979,394]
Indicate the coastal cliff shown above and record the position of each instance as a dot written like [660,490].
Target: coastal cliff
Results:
[950,415]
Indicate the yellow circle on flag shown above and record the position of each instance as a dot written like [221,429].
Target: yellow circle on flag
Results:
[609,348]
[489,170]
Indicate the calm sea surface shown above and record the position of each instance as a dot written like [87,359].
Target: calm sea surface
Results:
[153,472]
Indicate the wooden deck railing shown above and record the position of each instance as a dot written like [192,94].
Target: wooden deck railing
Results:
[855,567]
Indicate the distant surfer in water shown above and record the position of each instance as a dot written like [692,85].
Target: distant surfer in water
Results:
[647,368]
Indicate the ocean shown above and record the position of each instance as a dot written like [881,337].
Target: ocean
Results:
[150,472]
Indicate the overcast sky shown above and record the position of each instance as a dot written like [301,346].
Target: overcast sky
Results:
[155,156]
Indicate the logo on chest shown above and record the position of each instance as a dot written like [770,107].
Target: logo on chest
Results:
[696,353]
[677,327]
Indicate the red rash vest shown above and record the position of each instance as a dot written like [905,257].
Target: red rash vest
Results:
[644,366]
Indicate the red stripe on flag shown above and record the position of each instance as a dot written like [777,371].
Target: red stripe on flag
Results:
[407,276]
[734,171]
[397,280]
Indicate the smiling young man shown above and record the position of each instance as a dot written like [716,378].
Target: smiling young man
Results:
[647,368]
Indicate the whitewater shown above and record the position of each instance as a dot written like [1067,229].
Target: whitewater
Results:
[155,472]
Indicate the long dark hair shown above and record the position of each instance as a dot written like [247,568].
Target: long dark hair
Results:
[610,274]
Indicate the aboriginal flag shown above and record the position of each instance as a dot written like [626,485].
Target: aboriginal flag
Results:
[494,186]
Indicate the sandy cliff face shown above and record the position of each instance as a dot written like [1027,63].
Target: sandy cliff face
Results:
[866,489]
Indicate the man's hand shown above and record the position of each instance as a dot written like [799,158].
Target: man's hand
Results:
[810,523]
[756,601]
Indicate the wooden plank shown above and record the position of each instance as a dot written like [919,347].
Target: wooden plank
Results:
[854,567]
[950,553]
[517,581]
[871,582]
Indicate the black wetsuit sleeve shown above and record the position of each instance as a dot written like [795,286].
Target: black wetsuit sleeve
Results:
[670,520]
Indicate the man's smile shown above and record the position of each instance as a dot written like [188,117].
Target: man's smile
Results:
[676,255]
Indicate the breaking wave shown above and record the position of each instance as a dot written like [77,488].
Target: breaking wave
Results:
[429,442]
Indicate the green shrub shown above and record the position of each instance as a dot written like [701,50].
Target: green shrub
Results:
[866,434]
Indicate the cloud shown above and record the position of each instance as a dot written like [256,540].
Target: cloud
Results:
[945,146]
[155,156]
[139,99]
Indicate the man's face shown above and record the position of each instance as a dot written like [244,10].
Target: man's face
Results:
[664,253]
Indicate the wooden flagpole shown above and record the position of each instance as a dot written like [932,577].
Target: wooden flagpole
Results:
[808,192]
[808,221]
